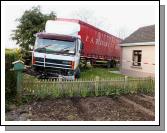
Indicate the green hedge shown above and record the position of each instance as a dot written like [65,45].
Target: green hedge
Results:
[11,55]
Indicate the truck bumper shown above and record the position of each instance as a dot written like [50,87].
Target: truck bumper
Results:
[53,73]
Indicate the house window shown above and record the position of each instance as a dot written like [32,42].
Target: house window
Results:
[137,57]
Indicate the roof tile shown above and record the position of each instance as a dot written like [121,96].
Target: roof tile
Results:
[143,34]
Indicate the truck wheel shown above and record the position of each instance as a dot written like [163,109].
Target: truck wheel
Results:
[113,63]
[85,63]
[77,73]
[109,64]
[93,62]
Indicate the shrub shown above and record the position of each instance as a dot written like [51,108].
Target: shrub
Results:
[11,55]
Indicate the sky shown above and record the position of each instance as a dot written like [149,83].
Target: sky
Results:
[119,20]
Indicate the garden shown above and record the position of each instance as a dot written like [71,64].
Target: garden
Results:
[99,94]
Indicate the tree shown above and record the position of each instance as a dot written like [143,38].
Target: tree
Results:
[31,22]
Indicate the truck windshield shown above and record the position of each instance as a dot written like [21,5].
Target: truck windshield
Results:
[53,46]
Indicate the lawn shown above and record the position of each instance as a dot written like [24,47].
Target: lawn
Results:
[103,73]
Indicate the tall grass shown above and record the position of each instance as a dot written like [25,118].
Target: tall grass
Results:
[85,88]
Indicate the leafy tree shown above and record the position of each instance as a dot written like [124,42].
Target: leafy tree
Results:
[31,22]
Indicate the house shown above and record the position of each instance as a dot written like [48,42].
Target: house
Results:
[138,53]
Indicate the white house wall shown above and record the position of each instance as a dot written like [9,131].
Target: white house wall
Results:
[147,59]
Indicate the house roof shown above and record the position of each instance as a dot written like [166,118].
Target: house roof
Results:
[143,34]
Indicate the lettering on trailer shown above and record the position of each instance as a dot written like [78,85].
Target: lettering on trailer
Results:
[87,38]
[91,40]
[105,40]
[101,39]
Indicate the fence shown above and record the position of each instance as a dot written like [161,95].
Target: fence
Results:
[83,88]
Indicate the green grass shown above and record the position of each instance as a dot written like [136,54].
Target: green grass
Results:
[103,73]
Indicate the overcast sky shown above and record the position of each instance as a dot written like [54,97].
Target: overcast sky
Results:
[114,18]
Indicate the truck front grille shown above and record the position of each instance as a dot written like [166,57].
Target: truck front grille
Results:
[62,64]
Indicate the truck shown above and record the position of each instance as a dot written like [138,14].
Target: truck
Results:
[59,50]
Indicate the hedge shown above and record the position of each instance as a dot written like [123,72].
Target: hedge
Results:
[11,55]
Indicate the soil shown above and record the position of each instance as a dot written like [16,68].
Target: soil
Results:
[79,109]
[139,100]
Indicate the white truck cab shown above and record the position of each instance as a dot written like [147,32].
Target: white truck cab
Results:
[57,50]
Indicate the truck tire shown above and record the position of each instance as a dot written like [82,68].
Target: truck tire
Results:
[85,63]
[77,73]
[113,63]
[109,64]
[93,62]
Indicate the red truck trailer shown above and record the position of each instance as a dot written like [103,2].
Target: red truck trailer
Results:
[97,44]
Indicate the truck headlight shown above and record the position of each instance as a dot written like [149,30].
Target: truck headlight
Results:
[72,64]
[33,59]
[66,62]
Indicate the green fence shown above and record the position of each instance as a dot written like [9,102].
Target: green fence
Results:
[94,87]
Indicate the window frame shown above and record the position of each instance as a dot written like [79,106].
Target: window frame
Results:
[137,53]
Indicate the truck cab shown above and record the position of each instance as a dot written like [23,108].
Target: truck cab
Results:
[57,51]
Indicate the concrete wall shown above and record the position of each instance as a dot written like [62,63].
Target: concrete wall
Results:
[148,60]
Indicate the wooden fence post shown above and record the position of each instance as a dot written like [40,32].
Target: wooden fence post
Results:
[61,86]
[96,85]
[125,82]
[19,85]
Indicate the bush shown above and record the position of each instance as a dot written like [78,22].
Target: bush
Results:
[26,57]
[11,55]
